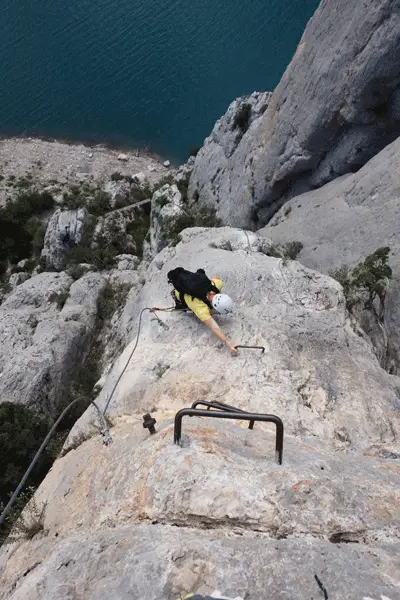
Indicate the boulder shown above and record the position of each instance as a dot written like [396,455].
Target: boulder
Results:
[139,177]
[346,220]
[167,208]
[123,157]
[46,326]
[127,262]
[18,278]
[66,229]
[118,191]
[336,106]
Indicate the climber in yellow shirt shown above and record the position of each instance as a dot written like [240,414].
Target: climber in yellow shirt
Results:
[212,298]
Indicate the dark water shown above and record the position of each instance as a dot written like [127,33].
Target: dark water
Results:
[154,73]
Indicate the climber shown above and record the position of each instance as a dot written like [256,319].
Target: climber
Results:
[196,292]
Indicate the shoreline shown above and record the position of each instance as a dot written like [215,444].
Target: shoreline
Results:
[144,152]
[65,163]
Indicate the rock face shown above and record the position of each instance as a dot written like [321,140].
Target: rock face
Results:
[344,221]
[209,182]
[111,229]
[18,278]
[65,230]
[118,192]
[185,171]
[127,262]
[166,208]
[317,373]
[211,513]
[336,106]
[46,326]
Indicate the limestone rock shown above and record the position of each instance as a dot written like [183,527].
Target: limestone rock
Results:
[343,222]
[184,172]
[127,262]
[226,475]
[65,230]
[211,512]
[123,157]
[119,192]
[166,208]
[46,325]
[213,162]
[317,373]
[112,229]
[335,108]
[18,278]
[146,502]
[139,177]
[169,561]
[23,263]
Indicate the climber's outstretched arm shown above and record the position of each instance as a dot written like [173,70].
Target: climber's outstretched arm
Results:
[217,331]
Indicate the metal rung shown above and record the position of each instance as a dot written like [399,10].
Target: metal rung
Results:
[220,406]
[236,415]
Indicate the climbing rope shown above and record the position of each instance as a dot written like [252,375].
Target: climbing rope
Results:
[105,431]
[132,353]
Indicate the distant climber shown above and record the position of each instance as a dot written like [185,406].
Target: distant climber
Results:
[201,295]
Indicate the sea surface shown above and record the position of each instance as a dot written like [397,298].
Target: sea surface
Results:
[144,73]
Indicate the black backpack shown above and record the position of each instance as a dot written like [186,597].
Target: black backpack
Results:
[196,284]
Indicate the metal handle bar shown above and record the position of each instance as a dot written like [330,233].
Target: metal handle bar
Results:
[220,406]
[238,416]
[262,348]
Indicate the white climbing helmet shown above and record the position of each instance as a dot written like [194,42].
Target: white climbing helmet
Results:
[222,303]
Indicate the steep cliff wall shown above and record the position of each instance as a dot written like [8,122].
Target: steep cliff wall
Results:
[337,105]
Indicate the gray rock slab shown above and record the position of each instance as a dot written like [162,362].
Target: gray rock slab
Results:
[334,109]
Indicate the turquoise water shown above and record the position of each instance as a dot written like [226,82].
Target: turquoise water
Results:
[149,73]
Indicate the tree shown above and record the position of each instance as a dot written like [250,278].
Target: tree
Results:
[22,430]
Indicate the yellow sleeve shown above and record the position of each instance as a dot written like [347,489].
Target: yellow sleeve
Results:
[198,307]
[218,283]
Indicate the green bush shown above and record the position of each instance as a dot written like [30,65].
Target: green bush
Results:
[138,230]
[99,204]
[291,250]
[273,251]
[22,430]
[167,179]
[74,199]
[371,276]
[197,217]
[101,257]
[142,192]
[116,176]
[76,271]
[5,287]
[59,298]
[24,526]
[113,298]
[242,117]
